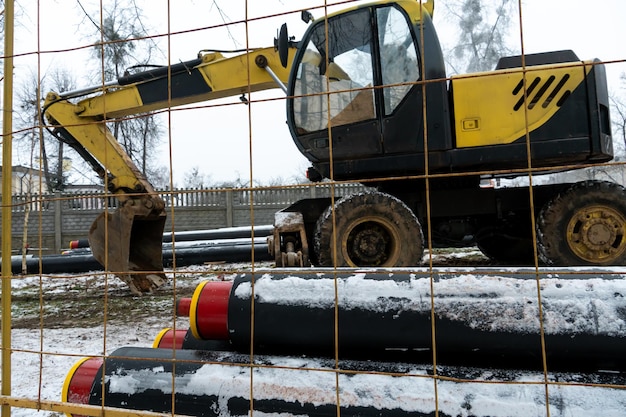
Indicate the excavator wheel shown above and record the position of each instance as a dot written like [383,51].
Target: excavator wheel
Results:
[371,229]
[584,225]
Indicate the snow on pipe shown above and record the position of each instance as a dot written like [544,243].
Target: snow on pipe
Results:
[209,234]
[481,319]
[216,384]
[169,338]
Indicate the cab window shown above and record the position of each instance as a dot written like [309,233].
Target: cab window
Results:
[334,80]
[398,56]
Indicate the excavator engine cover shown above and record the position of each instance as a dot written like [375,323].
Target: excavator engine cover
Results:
[128,242]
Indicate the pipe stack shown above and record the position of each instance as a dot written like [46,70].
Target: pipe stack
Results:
[191,248]
[362,342]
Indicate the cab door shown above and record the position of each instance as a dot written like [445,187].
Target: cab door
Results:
[401,104]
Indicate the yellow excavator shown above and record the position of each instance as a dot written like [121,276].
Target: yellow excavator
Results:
[368,100]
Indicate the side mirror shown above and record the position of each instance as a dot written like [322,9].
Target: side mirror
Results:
[282,45]
[306,16]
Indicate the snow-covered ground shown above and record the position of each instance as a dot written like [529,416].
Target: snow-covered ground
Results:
[42,356]
[39,375]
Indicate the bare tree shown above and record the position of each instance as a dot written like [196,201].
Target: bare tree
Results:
[50,151]
[618,117]
[194,178]
[122,47]
[481,40]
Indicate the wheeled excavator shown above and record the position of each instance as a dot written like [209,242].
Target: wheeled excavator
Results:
[368,100]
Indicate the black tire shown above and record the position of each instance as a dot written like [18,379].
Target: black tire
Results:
[372,229]
[584,225]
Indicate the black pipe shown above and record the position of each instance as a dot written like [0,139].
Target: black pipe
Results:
[219,384]
[221,233]
[480,320]
[209,234]
[185,256]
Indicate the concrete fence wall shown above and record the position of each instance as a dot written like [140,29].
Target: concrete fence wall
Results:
[52,221]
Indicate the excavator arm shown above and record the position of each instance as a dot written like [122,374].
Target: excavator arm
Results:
[128,240]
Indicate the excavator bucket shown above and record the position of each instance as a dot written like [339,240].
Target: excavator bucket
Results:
[130,245]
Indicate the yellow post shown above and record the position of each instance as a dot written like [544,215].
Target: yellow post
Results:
[7,162]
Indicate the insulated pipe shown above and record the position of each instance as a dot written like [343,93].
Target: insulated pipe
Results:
[222,384]
[208,310]
[209,234]
[481,319]
[184,339]
[192,255]
[79,243]
[221,233]
[169,338]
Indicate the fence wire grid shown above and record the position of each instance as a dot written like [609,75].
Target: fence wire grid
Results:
[431,285]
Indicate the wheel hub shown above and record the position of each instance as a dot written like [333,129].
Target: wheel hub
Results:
[368,244]
[597,234]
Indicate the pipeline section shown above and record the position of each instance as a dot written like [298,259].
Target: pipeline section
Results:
[209,234]
[482,318]
[487,339]
[192,253]
[220,384]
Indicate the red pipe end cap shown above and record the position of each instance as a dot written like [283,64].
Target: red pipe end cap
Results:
[209,310]
[183,307]
[170,339]
[80,379]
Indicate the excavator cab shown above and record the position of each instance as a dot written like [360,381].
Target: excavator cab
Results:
[357,81]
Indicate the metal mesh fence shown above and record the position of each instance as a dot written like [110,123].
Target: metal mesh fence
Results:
[457,249]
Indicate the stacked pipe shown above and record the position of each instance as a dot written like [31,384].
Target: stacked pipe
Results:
[208,383]
[192,248]
[480,318]
[360,343]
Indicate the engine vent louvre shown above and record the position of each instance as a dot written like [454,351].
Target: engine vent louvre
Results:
[543,89]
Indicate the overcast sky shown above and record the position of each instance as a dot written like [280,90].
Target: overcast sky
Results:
[219,140]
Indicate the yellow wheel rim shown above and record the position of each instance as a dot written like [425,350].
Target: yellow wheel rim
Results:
[597,234]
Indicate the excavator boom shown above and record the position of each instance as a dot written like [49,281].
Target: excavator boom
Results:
[128,240]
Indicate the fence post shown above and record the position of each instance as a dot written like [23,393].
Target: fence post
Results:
[58,221]
[229,208]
